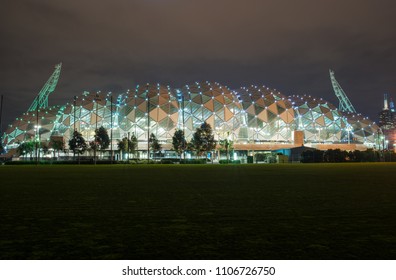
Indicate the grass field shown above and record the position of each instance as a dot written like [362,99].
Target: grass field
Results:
[325,211]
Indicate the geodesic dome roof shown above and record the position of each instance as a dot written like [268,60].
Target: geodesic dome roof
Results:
[319,119]
[24,128]
[155,101]
[252,113]
[212,103]
[87,112]
[363,129]
[269,115]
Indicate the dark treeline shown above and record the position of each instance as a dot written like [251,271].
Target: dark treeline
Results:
[337,155]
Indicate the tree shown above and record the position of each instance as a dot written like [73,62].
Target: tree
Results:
[26,148]
[155,146]
[179,142]
[190,146]
[126,145]
[311,156]
[357,156]
[101,140]
[371,155]
[203,139]
[335,155]
[77,144]
[123,146]
[93,145]
[45,149]
[57,144]
[226,145]
[133,144]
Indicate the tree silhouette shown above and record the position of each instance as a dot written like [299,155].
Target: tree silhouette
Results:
[133,144]
[154,144]
[123,146]
[77,144]
[226,145]
[101,140]
[179,142]
[203,139]
[26,148]
[57,145]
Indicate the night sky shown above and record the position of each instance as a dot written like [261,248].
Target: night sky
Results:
[113,45]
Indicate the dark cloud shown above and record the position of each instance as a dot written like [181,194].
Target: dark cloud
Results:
[113,45]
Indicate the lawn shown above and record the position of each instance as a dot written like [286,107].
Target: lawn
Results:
[323,211]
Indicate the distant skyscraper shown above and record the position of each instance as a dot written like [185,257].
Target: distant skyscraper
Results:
[387,122]
[392,105]
[387,115]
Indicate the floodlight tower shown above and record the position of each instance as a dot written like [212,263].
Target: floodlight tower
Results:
[41,100]
[345,105]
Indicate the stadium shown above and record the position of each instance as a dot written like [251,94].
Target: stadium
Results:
[254,118]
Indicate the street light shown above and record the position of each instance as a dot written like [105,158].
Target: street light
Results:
[111,128]
[96,125]
[183,125]
[74,111]
[37,132]
[127,144]
[148,123]
[37,137]
[348,129]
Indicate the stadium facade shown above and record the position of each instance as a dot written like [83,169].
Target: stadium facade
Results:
[254,118]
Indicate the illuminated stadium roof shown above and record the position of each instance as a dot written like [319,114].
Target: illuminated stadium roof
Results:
[268,115]
[319,119]
[247,115]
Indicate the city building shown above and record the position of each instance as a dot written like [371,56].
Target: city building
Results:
[387,123]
